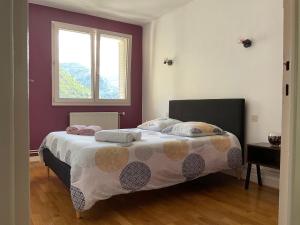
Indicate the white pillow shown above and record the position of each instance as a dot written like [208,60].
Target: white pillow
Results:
[158,124]
[193,129]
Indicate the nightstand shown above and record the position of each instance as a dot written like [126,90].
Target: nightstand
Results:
[261,154]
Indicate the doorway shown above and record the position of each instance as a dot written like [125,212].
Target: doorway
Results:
[18,163]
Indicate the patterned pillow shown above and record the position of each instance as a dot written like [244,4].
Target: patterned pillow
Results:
[158,124]
[193,129]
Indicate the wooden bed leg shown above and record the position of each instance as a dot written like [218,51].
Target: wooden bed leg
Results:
[48,172]
[78,215]
[239,173]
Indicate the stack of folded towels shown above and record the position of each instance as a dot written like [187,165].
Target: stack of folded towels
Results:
[118,136]
[83,130]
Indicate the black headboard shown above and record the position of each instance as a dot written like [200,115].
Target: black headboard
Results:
[229,114]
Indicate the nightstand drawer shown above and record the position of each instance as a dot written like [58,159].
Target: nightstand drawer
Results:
[263,156]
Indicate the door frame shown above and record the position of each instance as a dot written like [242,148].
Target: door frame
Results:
[289,114]
[14,147]
[21,112]
[295,179]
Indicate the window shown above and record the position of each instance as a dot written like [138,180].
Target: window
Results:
[90,66]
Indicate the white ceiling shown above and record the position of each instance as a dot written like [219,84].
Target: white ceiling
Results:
[132,11]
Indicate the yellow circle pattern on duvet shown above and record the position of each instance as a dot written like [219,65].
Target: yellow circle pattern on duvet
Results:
[204,127]
[111,159]
[221,143]
[176,150]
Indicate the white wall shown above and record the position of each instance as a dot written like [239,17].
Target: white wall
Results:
[203,38]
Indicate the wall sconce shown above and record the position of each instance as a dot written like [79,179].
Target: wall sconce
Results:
[247,43]
[168,62]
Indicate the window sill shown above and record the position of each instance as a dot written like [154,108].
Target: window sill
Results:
[102,103]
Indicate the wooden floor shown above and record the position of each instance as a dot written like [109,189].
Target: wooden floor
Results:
[214,200]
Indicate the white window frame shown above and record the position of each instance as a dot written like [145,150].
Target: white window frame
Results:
[95,54]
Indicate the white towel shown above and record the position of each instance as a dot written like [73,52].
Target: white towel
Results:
[118,136]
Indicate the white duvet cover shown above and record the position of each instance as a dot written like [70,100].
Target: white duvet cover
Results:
[100,170]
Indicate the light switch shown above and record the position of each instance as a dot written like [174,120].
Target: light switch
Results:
[254,118]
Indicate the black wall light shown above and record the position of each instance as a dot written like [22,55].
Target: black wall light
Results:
[247,43]
[168,62]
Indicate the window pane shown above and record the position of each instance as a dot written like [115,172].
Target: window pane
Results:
[113,67]
[75,80]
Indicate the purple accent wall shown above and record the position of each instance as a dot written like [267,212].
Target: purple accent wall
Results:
[44,117]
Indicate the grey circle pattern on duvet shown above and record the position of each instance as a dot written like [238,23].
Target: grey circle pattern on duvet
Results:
[234,158]
[167,130]
[77,198]
[196,131]
[135,176]
[217,131]
[54,145]
[68,157]
[193,166]
[143,153]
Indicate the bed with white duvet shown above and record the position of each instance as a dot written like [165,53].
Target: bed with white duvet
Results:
[100,170]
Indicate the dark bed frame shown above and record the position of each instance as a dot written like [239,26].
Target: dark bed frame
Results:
[229,114]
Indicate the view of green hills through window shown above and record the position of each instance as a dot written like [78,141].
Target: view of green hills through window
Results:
[75,82]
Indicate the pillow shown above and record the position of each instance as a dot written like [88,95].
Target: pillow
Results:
[193,129]
[158,124]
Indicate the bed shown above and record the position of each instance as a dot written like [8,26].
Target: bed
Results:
[96,171]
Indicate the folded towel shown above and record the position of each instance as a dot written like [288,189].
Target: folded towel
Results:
[89,130]
[83,130]
[74,129]
[118,136]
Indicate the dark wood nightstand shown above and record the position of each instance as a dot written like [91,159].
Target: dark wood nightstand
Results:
[261,154]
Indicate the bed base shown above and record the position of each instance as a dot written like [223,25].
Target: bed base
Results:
[61,169]
[48,172]
[78,215]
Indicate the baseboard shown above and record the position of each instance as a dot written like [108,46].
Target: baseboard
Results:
[270,177]
[33,152]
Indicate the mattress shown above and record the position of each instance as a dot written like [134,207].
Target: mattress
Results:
[100,170]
